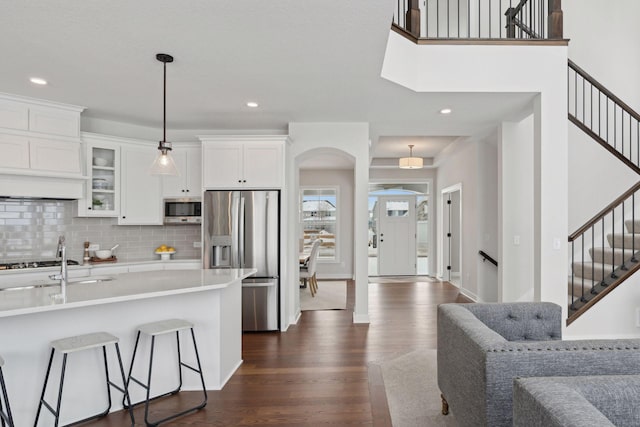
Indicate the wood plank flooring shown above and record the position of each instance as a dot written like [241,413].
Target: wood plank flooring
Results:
[316,373]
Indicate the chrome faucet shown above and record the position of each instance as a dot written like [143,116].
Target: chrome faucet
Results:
[62,276]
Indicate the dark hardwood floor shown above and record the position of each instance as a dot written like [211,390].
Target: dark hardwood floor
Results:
[317,372]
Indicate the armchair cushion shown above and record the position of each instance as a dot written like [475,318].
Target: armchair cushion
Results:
[477,364]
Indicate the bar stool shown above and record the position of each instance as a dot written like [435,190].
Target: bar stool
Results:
[5,415]
[80,343]
[159,328]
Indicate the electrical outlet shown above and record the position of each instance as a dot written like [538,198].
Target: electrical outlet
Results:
[94,247]
[197,244]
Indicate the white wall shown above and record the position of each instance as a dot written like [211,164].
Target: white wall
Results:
[473,165]
[351,139]
[343,179]
[538,70]
[517,210]
[488,218]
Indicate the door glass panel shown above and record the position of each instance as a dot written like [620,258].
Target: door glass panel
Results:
[397,208]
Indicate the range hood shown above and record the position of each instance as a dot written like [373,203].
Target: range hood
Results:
[34,186]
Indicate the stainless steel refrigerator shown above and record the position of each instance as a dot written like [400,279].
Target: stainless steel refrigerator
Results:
[241,230]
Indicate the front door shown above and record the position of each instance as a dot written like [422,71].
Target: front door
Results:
[396,235]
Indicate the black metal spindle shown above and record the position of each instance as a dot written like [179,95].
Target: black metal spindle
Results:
[633,228]
[583,106]
[469,18]
[582,298]
[573,276]
[603,246]
[622,266]
[438,18]
[613,243]
[593,261]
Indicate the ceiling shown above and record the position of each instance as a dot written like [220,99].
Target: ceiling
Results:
[302,61]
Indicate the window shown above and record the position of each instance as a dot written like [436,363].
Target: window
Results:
[319,208]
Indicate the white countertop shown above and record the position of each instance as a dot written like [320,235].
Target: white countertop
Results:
[122,287]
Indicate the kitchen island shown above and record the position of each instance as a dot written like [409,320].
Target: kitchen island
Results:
[31,316]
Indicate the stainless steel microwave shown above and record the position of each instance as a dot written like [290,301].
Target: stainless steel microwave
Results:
[183,211]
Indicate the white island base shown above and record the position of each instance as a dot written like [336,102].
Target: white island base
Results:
[210,299]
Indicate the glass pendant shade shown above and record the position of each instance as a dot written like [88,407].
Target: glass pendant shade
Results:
[164,164]
[410,162]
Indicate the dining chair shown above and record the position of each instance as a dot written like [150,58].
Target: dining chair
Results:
[308,272]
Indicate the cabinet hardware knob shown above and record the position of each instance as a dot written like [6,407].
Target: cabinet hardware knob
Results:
[244,180]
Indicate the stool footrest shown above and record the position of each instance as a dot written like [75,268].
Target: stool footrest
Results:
[197,371]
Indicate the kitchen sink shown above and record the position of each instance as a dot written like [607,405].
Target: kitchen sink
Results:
[38,284]
[87,280]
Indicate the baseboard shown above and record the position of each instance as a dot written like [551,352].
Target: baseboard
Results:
[225,380]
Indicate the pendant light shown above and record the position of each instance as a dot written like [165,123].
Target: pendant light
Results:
[164,164]
[410,162]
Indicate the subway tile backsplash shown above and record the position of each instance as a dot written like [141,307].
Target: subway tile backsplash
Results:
[29,231]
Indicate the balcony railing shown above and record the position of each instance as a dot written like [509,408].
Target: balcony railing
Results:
[480,19]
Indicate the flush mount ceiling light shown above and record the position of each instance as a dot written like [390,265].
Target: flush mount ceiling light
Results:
[164,164]
[252,104]
[410,162]
[446,111]
[38,81]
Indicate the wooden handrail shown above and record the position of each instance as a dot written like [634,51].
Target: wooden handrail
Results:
[604,90]
[611,206]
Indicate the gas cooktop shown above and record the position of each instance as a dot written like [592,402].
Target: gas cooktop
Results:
[35,264]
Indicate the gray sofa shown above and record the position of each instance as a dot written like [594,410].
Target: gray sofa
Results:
[482,348]
[598,401]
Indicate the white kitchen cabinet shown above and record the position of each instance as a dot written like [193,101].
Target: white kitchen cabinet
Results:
[40,139]
[55,156]
[39,116]
[243,162]
[140,192]
[102,163]
[40,155]
[15,152]
[188,160]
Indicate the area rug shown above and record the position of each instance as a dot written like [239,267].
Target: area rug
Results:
[411,386]
[331,295]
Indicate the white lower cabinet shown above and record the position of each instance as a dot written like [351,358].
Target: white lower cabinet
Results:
[140,192]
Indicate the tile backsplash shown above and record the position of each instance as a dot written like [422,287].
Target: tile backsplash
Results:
[29,231]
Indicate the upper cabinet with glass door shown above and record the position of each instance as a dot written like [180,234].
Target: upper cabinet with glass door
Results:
[103,168]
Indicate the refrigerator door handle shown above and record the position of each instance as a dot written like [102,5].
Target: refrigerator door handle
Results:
[241,232]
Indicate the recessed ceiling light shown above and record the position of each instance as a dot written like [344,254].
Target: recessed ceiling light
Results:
[252,104]
[38,81]
[446,111]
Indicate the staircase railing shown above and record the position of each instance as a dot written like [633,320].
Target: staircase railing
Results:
[480,19]
[604,116]
[615,126]
[604,252]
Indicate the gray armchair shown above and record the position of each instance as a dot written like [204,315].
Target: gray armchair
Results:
[598,401]
[483,347]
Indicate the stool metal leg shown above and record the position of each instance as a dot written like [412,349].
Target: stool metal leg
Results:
[44,388]
[124,390]
[147,386]
[109,384]
[5,417]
